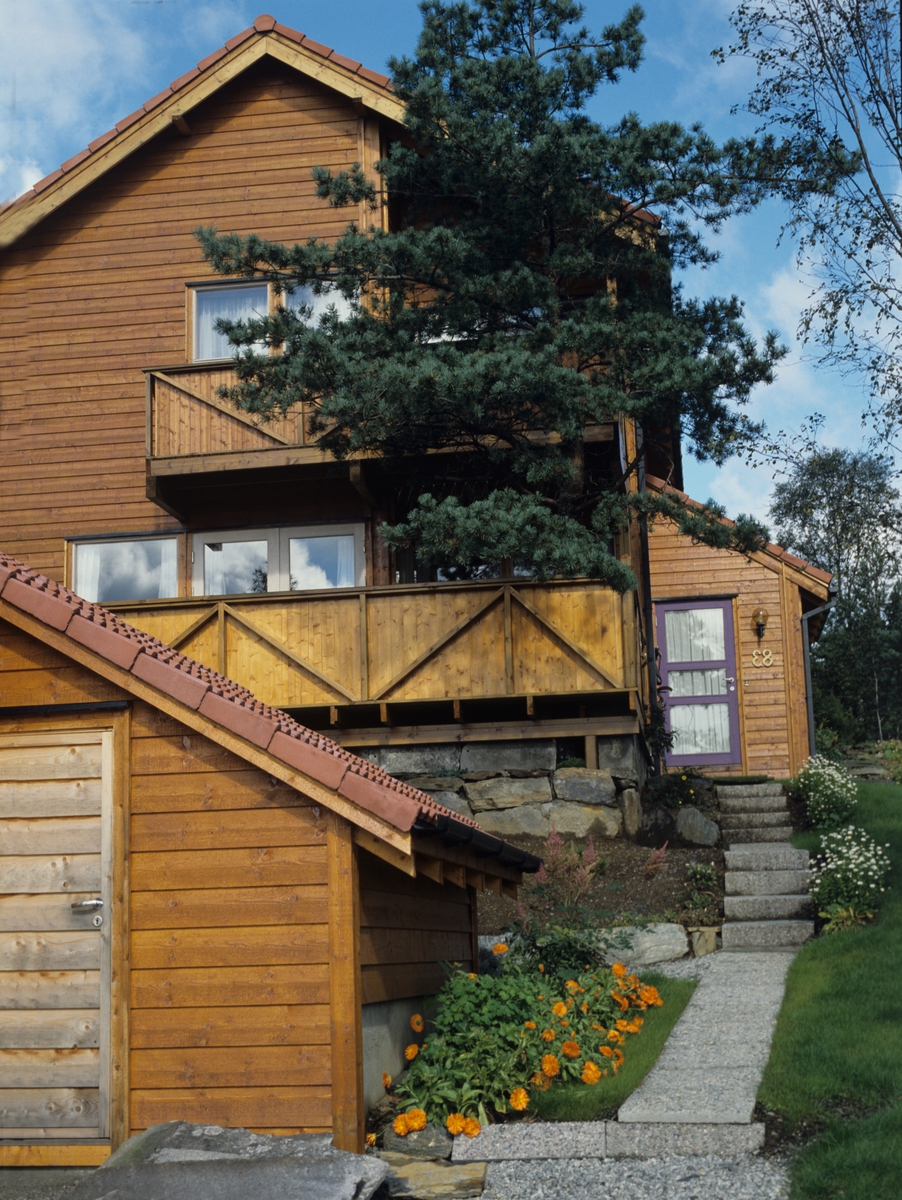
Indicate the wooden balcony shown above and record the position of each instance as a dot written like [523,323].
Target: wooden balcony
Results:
[373,664]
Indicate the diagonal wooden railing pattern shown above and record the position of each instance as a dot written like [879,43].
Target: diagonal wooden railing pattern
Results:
[423,642]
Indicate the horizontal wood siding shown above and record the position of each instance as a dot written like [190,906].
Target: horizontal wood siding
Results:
[229,943]
[96,292]
[408,927]
[767,694]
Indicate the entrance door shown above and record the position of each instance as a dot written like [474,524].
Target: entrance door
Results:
[55,811]
[698,669]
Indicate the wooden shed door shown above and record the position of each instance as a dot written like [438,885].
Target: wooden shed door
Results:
[55,810]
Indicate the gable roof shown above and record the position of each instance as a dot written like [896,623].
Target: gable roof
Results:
[772,556]
[132,659]
[265,37]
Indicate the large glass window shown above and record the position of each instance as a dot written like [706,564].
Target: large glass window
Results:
[278,560]
[242,302]
[142,569]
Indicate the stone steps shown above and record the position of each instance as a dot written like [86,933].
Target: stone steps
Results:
[746,820]
[765,935]
[779,907]
[745,791]
[759,833]
[766,858]
[765,883]
[752,804]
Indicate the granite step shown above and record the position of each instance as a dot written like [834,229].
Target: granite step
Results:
[748,804]
[781,907]
[758,833]
[765,883]
[766,858]
[762,935]
[736,791]
[747,820]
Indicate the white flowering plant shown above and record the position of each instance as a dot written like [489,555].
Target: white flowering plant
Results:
[850,870]
[827,790]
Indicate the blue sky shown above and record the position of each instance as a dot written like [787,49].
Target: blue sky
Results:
[69,69]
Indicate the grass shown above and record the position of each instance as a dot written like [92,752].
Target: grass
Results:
[581,1102]
[839,1038]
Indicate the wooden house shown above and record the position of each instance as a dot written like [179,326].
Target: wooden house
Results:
[200,898]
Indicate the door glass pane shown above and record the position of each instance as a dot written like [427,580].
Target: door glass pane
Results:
[695,635]
[698,683]
[700,728]
[321,562]
[229,304]
[232,567]
[142,570]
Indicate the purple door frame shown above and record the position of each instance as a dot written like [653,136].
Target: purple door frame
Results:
[728,664]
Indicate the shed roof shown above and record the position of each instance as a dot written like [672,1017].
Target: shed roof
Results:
[137,659]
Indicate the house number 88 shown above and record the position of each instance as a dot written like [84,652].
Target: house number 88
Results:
[762,658]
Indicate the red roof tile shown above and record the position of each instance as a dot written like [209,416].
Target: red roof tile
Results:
[264,23]
[220,700]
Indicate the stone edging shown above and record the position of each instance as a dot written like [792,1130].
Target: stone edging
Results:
[605,1139]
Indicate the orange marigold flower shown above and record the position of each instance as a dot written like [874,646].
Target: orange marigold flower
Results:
[455,1124]
[400,1126]
[371,1139]
[606,1051]
[591,1073]
[416,1119]
[633,1026]
[519,1099]
[541,968]
[584,1007]
[598,1026]
[498,948]
[540,997]
[632,981]
[619,970]
[548,1035]
[570,1049]
[615,1037]
[529,1024]
[621,1000]
[560,1009]
[416,1023]
[572,985]
[411,1052]
[618,1057]
[472,1128]
[472,975]
[650,995]
[386,1080]
[621,1025]
[565,1024]
[550,1066]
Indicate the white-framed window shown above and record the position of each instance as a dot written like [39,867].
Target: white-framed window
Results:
[229,302]
[126,569]
[304,296]
[299,559]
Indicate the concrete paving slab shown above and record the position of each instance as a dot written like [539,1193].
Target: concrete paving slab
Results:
[536,1140]
[695,1096]
[654,1141]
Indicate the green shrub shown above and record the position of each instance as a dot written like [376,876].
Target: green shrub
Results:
[892,756]
[827,790]
[850,871]
[524,1028]
[675,789]
[703,875]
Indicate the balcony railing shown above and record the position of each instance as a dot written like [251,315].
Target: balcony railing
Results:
[419,643]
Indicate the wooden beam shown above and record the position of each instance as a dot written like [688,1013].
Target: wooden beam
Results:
[358,483]
[591,751]
[455,874]
[182,126]
[476,879]
[345,996]
[395,858]
[430,867]
[120,934]
[181,638]
[509,889]
[68,1154]
[500,731]
[261,633]
[565,638]
[230,411]
[508,644]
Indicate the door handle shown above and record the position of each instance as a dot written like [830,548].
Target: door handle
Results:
[87,905]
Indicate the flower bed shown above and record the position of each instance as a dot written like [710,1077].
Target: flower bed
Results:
[827,790]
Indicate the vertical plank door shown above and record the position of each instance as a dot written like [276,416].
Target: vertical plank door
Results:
[55,810]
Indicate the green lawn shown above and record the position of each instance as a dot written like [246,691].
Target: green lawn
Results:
[582,1102]
[839,1037]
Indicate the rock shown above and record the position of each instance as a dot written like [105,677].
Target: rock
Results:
[586,820]
[696,829]
[507,793]
[527,774]
[585,786]
[436,783]
[624,783]
[413,760]
[451,800]
[618,755]
[658,826]
[538,754]
[431,1142]
[655,944]
[208,1162]
[436,1180]
[704,941]
[529,819]
[631,808]
[476,776]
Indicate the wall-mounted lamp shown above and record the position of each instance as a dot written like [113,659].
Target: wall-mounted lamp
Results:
[759,619]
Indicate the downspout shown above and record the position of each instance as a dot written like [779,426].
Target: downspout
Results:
[645,566]
[806,652]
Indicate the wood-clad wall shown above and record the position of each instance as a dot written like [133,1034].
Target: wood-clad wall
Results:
[772,713]
[408,927]
[229,940]
[97,291]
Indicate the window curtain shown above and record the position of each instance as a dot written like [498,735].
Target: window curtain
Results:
[695,635]
[700,728]
[229,304]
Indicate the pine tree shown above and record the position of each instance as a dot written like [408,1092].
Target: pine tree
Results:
[522,296]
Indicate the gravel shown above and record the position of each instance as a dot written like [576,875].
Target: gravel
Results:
[704,1178]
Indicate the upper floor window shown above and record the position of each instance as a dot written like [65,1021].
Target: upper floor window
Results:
[278,560]
[228,302]
[123,569]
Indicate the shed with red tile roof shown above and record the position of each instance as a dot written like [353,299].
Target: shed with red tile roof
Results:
[200,896]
